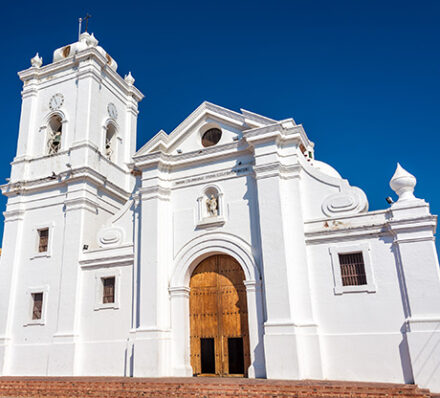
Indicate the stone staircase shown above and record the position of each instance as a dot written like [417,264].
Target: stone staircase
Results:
[202,387]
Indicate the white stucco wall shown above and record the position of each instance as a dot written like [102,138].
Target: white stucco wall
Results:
[143,218]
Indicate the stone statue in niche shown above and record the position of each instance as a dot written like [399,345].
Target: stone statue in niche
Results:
[212,205]
[54,142]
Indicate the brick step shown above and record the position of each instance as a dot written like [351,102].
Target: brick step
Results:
[96,387]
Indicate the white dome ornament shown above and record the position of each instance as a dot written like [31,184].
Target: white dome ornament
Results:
[129,79]
[36,61]
[403,184]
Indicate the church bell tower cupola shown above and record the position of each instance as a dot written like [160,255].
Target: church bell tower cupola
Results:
[76,112]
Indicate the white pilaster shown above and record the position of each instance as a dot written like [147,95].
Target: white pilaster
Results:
[9,270]
[281,352]
[153,336]
[257,369]
[28,129]
[291,340]
[63,360]
[413,228]
[180,327]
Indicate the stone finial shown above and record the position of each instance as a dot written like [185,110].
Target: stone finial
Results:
[129,78]
[37,61]
[92,41]
[403,184]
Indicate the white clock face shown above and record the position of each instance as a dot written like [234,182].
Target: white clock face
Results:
[56,101]
[112,111]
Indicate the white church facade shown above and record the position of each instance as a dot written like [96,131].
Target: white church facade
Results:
[223,248]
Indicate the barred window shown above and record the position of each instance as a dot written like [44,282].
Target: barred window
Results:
[352,269]
[43,235]
[37,306]
[108,290]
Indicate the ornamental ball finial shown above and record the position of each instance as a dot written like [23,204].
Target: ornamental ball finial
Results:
[129,79]
[36,61]
[403,184]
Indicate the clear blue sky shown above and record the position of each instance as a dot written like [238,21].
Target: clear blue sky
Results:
[363,77]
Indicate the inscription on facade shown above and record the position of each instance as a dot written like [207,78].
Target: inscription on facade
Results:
[241,170]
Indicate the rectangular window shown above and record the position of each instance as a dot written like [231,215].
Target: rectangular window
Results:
[352,269]
[43,235]
[108,290]
[37,307]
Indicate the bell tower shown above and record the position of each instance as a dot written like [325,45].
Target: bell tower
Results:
[76,109]
[77,136]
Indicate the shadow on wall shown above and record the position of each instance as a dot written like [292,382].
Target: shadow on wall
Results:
[426,357]
[405,359]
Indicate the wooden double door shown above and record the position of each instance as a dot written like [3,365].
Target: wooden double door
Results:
[219,334]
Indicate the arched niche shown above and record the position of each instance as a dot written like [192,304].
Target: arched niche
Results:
[210,206]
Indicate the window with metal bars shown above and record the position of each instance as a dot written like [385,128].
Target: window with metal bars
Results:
[43,235]
[37,307]
[108,289]
[352,269]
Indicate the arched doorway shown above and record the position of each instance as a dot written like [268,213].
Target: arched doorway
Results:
[219,334]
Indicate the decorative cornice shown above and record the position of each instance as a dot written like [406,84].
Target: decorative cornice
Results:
[14,215]
[85,55]
[205,155]
[239,120]
[155,192]
[121,255]
[276,169]
[403,226]
[204,108]
[180,291]
[64,178]
[345,234]
[110,261]
[82,203]
[343,229]
[252,285]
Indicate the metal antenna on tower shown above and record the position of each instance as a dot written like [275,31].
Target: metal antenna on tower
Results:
[79,27]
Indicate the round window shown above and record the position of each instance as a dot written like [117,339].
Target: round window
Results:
[211,137]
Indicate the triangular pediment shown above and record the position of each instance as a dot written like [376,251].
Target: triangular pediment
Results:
[186,137]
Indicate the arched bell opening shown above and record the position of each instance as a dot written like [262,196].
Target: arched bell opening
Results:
[55,131]
[219,331]
[110,142]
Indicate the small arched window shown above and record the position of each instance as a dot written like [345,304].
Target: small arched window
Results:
[55,130]
[110,139]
